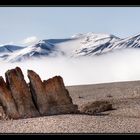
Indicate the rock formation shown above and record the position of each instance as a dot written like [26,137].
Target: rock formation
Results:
[2,113]
[39,98]
[93,108]
[58,96]
[7,100]
[21,93]
[51,97]
[20,100]
[38,91]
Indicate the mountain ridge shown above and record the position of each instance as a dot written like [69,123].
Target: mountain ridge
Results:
[79,45]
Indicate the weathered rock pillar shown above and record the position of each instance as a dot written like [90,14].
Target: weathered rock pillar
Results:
[7,100]
[58,96]
[21,93]
[38,92]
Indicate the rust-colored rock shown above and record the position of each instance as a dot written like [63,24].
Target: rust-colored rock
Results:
[58,97]
[20,100]
[7,100]
[38,91]
[2,113]
[50,96]
[93,108]
[21,93]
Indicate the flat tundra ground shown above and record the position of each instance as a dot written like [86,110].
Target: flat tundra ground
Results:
[125,118]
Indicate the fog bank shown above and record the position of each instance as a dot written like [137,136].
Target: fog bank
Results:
[122,65]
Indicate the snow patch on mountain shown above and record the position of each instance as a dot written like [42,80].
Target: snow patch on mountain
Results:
[79,45]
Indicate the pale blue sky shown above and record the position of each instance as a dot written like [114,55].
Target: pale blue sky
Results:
[18,23]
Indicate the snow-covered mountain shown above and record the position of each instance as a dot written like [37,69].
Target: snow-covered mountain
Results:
[97,44]
[9,48]
[42,48]
[87,44]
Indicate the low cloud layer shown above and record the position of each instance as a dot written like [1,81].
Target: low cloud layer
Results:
[30,40]
[123,65]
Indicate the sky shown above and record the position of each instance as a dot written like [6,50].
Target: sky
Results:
[22,25]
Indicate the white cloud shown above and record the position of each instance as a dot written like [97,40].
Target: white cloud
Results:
[30,40]
[123,65]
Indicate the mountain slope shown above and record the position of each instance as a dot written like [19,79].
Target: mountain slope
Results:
[106,44]
[42,48]
[87,44]
[6,50]
[9,48]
